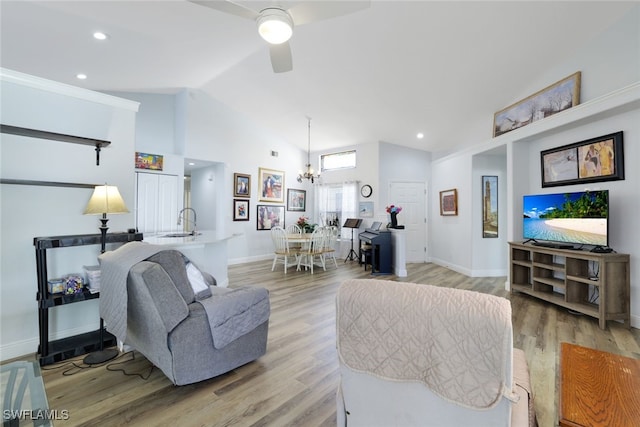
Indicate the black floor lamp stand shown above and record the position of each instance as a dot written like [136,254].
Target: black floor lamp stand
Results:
[102,355]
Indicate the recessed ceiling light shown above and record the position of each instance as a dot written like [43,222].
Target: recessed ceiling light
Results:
[81,76]
[420,135]
[191,163]
[98,35]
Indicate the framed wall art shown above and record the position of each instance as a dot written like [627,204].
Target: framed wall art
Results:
[449,202]
[593,160]
[152,162]
[365,210]
[271,185]
[547,102]
[240,210]
[269,216]
[296,200]
[489,206]
[241,185]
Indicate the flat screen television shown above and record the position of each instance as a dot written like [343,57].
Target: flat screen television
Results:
[570,218]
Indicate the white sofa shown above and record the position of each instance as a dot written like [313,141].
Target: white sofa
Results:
[421,355]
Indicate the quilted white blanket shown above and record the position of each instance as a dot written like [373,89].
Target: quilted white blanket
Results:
[410,332]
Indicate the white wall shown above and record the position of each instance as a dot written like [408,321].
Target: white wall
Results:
[451,236]
[489,254]
[33,211]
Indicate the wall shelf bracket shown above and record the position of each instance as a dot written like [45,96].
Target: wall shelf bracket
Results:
[34,133]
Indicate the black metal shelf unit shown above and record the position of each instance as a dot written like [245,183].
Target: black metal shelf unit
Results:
[54,351]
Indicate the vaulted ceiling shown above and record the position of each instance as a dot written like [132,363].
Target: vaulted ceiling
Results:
[384,73]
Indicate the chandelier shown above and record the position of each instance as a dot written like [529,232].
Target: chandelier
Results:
[308,173]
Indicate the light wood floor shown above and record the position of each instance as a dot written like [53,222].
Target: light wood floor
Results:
[294,384]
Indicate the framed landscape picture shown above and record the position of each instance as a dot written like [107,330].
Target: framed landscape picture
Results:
[241,185]
[593,160]
[271,185]
[269,217]
[449,202]
[544,103]
[296,200]
[240,210]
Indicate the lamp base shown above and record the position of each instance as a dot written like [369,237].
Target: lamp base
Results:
[101,356]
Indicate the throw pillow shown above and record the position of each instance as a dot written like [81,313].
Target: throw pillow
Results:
[197,281]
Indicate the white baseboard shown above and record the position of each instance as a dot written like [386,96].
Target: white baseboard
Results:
[30,346]
[454,267]
[250,259]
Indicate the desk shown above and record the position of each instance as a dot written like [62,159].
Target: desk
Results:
[598,388]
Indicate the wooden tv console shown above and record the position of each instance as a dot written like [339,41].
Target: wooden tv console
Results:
[595,284]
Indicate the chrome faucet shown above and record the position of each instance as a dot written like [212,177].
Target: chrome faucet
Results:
[194,219]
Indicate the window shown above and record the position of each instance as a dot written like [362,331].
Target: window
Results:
[335,203]
[333,161]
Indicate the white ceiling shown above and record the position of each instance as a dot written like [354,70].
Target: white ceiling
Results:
[381,74]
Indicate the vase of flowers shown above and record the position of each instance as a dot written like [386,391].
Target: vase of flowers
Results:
[303,223]
[393,211]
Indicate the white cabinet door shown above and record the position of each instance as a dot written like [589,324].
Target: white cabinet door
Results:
[156,202]
[167,202]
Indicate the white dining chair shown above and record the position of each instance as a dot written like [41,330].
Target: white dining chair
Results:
[282,252]
[294,229]
[330,242]
[307,256]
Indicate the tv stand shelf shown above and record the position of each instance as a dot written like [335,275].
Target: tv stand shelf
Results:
[572,278]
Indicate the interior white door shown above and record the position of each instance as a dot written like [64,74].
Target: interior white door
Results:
[412,196]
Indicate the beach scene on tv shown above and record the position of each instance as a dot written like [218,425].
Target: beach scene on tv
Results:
[567,217]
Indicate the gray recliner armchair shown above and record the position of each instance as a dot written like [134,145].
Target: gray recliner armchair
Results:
[192,336]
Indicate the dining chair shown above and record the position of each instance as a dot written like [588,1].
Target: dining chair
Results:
[294,229]
[282,252]
[312,250]
[330,242]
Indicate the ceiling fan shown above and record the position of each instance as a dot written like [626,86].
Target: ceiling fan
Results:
[275,23]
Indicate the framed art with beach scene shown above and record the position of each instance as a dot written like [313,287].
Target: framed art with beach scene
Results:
[593,160]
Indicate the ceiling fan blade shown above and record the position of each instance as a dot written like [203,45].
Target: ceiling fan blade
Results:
[313,11]
[281,57]
[228,6]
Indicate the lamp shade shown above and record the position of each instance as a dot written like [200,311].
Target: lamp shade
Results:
[105,199]
[275,25]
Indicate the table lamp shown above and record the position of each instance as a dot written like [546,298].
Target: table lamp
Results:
[105,199]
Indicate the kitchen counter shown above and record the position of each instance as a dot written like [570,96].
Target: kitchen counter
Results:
[203,237]
[207,249]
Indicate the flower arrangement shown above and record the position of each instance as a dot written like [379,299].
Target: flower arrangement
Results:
[303,222]
[394,209]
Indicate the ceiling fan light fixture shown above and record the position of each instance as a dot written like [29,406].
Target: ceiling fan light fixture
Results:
[275,25]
